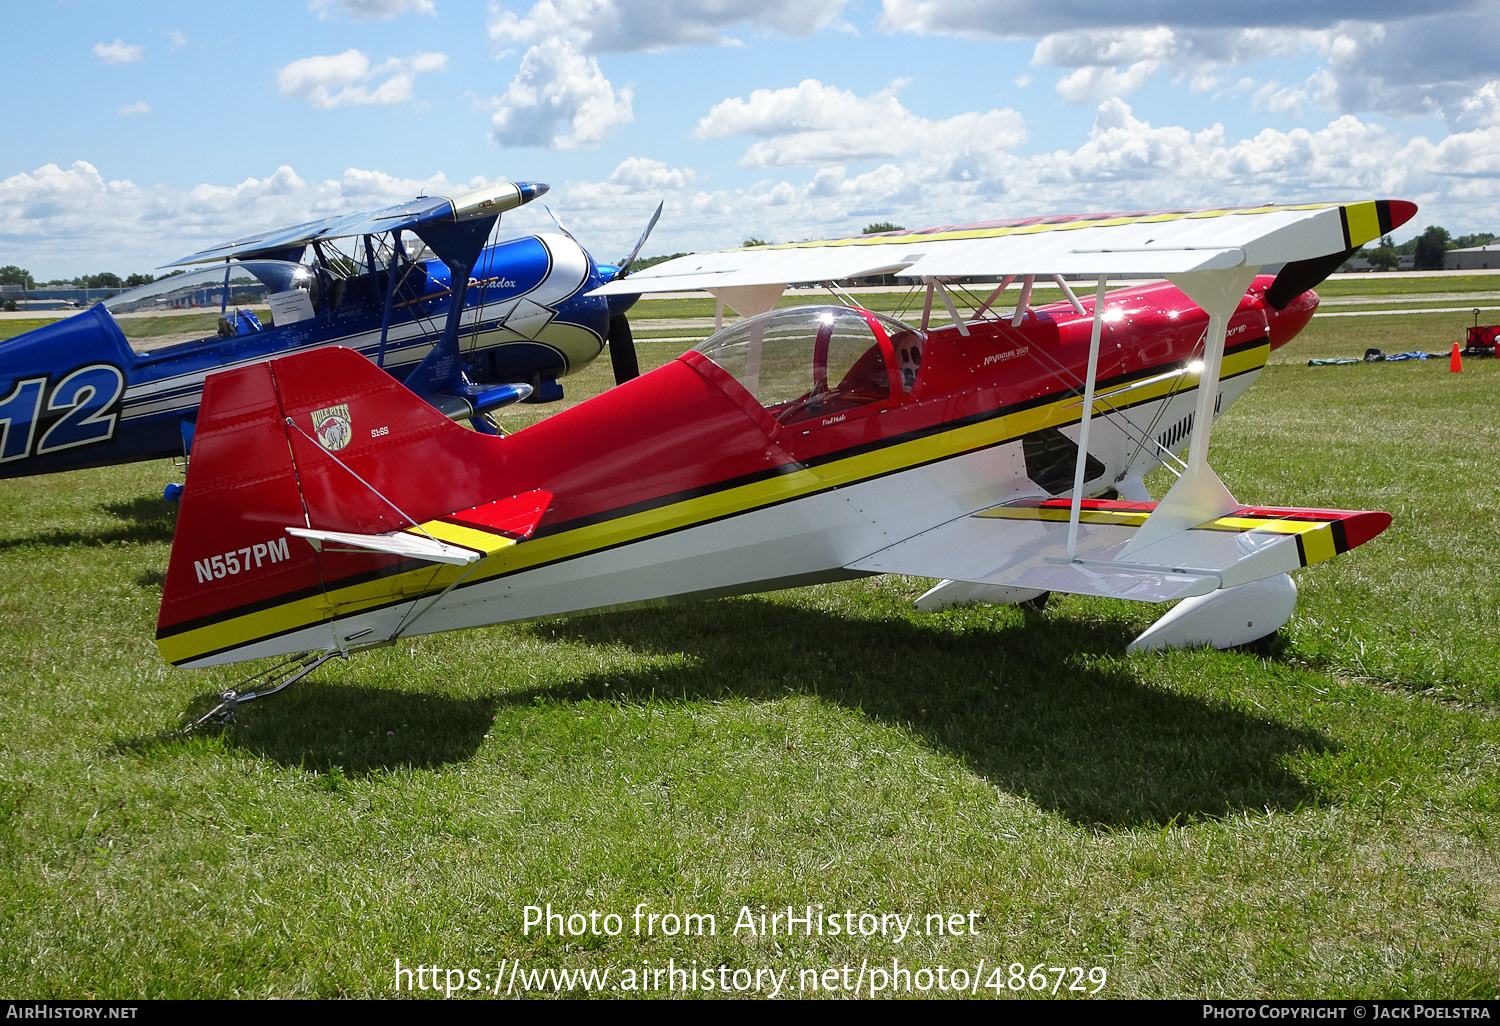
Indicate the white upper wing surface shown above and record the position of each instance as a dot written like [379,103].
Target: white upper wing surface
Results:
[1159,243]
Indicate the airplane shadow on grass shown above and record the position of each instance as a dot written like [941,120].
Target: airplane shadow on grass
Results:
[143,520]
[347,729]
[1013,703]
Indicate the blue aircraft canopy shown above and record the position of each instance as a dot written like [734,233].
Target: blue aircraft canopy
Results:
[421,213]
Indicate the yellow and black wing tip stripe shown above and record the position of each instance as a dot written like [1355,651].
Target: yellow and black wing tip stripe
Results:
[1365,222]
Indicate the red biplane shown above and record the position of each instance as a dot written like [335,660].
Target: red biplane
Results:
[328,510]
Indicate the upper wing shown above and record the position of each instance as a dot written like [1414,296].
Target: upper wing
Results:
[1160,242]
[425,210]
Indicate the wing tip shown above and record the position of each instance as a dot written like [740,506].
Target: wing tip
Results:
[1361,527]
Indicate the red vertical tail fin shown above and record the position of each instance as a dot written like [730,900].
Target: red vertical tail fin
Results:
[320,440]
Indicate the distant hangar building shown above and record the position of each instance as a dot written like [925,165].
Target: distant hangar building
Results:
[1472,259]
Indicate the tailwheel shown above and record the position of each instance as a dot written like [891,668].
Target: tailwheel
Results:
[282,675]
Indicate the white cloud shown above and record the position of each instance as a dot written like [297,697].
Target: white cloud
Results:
[348,79]
[177,39]
[1089,48]
[815,123]
[1482,107]
[1385,56]
[139,107]
[642,174]
[1125,163]
[119,52]
[625,26]
[64,221]
[560,98]
[380,10]
[1319,88]
[1096,83]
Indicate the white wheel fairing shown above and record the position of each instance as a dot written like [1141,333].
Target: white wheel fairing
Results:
[1225,618]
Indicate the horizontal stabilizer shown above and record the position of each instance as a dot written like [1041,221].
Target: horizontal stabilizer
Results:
[1023,544]
[458,539]
[404,545]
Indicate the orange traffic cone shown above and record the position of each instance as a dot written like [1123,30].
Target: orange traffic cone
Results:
[1455,362]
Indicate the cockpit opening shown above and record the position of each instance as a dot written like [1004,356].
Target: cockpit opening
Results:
[228,289]
[816,361]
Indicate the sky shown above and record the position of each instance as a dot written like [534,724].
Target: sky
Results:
[135,133]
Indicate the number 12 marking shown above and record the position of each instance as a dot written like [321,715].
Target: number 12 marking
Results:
[86,397]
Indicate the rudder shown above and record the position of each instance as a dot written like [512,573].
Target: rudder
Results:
[322,440]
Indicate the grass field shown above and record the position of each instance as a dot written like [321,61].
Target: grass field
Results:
[1318,816]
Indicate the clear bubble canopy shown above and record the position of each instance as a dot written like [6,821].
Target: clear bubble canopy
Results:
[806,361]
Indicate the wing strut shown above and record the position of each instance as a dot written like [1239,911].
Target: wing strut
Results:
[390,293]
[1062,283]
[936,285]
[1005,284]
[1081,463]
[1198,495]
[1024,302]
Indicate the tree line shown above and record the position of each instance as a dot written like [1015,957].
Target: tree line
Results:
[1426,250]
[10,274]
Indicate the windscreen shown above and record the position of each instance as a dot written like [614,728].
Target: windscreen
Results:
[803,360]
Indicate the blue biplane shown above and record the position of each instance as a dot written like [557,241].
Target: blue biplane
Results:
[468,327]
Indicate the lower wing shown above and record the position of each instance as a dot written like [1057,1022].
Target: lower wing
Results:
[1024,544]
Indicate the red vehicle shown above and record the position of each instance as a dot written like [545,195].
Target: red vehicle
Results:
[1480,340]
[328,510]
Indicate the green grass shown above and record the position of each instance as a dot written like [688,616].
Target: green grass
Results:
[1317,816]
[1382,285]
[10,327]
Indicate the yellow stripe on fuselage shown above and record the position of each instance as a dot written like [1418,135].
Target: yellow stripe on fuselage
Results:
[634,527]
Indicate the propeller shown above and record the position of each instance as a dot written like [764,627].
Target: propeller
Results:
[558,222]
[625,267]
[622,354]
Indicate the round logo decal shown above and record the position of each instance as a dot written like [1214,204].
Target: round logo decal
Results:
[332,427]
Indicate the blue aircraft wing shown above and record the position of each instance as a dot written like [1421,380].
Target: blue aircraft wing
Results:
[427,211]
